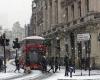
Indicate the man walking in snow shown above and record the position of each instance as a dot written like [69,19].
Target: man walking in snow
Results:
[44,63]
[66,65]
[56,64]
[17,64]
[51,63]
[71,68]
[1,64]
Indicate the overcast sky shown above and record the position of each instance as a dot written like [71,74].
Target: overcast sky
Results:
[14,10]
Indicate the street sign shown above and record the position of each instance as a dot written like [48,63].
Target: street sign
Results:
[83,37]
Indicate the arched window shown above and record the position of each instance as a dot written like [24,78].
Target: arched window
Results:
[79,8]
[87,5]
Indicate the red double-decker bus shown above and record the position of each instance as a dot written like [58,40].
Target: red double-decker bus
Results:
[32,51]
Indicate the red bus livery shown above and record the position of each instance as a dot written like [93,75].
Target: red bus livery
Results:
[32,51]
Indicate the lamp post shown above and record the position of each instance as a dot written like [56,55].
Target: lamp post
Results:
[4,42]
[58,49]
[72,40]
[66,48]
[4,36]
[88,57]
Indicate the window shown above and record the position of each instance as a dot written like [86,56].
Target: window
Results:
[46,6]
[79,8]
[34,56]
[56,11]
[87,5]
[72,10]
[67,14]
[50,2]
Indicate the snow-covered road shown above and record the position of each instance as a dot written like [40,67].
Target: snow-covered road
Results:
[11,75]
[38,75]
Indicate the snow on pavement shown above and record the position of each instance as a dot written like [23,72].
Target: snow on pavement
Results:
[95,75]
[59,75]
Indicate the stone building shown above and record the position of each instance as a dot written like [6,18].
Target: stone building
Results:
[63,20]
[38,19]
[18,31]
[29,30]
[33,19]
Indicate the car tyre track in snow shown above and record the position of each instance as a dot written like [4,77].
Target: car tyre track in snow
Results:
[35,75]
[15,77]
[43,76]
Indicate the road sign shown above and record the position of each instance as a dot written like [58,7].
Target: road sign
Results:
[83,37]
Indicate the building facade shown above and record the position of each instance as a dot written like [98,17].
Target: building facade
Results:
[63,20]
[28,30]
[18,31]
[33,19]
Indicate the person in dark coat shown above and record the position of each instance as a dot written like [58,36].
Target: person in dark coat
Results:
[56,64]
[66,63]
[17,64]
[51,63]
[71,68]
[44,63]
[1,64]
[87,63]
[27,68]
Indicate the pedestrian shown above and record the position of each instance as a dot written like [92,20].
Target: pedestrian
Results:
[56,64]
[1,64]
[66,63]
[87,63]
[44,63]
[17,64]
[70,67]
[27,68]
[82,63]
[51,63]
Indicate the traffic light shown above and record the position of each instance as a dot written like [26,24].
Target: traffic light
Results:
[14,46]
[16,43]
[4,42]
[1,41]
[7,42]
[16,39]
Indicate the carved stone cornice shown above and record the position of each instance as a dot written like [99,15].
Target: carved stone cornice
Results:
[89,26]
[93,21]
[65,3]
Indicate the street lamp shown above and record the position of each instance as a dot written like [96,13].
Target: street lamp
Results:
[88,57]
[4,36]
[57,38]
[58,49]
